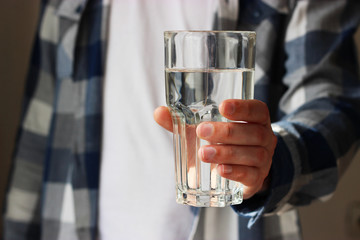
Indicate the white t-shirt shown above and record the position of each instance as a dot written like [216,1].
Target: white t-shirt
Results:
[137,193]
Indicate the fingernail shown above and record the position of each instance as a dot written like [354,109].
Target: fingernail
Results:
[208,153]
[206,130]
[225,169]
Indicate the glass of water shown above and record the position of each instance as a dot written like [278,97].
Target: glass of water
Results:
[202,69]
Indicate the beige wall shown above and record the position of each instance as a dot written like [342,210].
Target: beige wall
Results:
[17,25]
[329,220]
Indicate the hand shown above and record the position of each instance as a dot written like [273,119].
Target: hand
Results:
[242,150]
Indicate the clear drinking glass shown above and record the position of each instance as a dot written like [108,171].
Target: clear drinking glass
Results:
[203,68]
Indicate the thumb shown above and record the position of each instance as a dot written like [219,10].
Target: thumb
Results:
[163,117]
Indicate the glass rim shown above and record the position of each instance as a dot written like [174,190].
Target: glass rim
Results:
[208,31]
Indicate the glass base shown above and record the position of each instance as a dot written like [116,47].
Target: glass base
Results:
[201,199]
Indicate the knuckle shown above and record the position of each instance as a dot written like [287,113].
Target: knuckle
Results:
[261,156]
[242,175]
[255,177]
[274,140]
[246,109]
[230,152]
[228,130]
[250,177]
[265,108]
[259,135]
[265,112]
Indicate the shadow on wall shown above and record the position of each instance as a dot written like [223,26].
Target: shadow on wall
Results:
[17,27]
[339,218]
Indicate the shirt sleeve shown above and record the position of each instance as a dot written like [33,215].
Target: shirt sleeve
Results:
[319,131]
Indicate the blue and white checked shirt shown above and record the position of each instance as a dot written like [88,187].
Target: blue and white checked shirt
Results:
[306,71]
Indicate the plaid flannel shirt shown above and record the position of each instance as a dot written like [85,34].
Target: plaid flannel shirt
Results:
[54,184]
[306,71]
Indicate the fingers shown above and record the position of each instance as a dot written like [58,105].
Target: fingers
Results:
[243,150]
[163,117]
[235,133]
[253,111]
[252,178]
[232,154]
[246,164]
